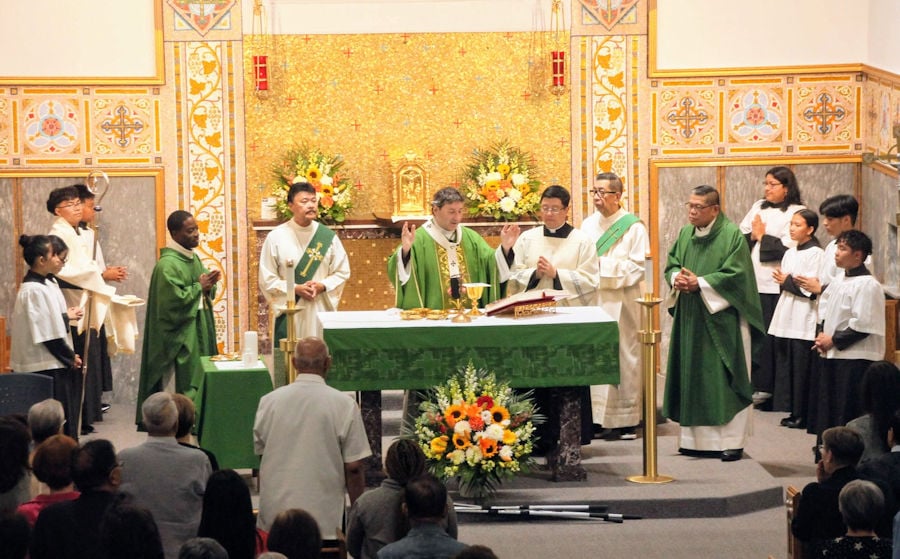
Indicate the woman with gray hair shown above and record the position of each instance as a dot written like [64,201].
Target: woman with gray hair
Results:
[45,419]
[862,506]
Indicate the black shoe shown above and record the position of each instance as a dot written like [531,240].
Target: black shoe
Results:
[700,453]
[732,454]
[87,429]
[788,419]
[105,407]
[796,423]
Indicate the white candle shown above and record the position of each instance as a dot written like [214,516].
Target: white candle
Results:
[250,346]
[648,274]
[289,278]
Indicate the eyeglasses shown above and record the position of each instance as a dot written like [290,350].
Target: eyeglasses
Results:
[67,206]
[549,210]
[63,259]
[697,207]
[767,183]
[598,192]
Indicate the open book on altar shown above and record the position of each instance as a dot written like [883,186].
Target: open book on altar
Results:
[526,298]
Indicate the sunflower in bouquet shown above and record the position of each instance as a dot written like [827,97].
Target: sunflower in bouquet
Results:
[334,189]
[477,429]
[500,183]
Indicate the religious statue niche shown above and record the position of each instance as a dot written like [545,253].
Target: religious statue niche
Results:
[410,185]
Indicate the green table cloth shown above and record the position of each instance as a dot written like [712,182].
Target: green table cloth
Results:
[226,404]
[377,350]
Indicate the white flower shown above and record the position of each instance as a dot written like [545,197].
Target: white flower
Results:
[326,180]
[495,176]
[457,456]
[506,452]
[507,204]
[473,454]
[298,178]
[487,417]
[514,193]
[462,427]
[494,431]
[517,179]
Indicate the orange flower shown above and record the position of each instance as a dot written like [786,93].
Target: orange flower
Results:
[488,447]
[473,411]
[326,201]
[454,413]
[461,441]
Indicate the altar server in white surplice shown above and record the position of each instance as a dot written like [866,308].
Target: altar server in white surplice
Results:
[555,256]
[621,243]
[321,270]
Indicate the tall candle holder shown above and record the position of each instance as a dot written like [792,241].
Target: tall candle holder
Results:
[650,339]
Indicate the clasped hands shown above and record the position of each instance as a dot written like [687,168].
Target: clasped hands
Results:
[309,290]
[686,281]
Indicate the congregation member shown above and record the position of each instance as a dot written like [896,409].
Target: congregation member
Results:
[45,419]
[321,269]
[861,505]
[71,529]
[165,477]
[818,516]
[377,519]
[82,281]
[15,535]
[129,532]
[436,259]
[793,324]
[312,442]
[40,340]
[228,518]
[425,504]
[622,246]
[15,478]
[716,325]
[852,335]
[295,534]
[886,467]
[202,548]
[767,229]
[186,416]
[51,465]
[880,399]
[554,256]
[179,327]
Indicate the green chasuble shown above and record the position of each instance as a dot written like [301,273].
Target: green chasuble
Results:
[707,381]
[429,281]
[179,327]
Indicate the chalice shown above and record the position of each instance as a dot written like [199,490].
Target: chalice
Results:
[474,291]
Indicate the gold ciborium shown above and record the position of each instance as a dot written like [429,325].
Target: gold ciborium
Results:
[474,291]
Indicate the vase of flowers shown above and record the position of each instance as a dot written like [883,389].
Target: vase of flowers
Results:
[334,189]
[476,429]
[500,183]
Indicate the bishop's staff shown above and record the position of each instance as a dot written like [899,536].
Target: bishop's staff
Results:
[98,183]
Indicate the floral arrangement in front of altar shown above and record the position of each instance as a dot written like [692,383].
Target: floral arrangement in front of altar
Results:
[501,183]
[334,189]
[476,429]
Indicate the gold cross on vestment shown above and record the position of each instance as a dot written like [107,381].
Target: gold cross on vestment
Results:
[314,256]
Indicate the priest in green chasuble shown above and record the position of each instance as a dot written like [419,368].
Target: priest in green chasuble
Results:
[179,327]
[320,270]
[717,324]
[436,259]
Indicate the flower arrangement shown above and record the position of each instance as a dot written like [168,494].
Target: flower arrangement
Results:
[334,189]
[477,429]
[500,183]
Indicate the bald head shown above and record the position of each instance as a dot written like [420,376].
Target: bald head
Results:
[311,356]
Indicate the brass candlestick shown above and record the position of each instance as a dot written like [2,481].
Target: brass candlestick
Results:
[649,338]
[289,342]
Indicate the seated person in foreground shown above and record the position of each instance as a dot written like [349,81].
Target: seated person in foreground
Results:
[376,519]
[425,505]
[862,506]
[52,465]
[818,516]
[295,534]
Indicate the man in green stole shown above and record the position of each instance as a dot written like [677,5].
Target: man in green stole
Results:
[622,247]
[179,326]
[321,268]
[434,260]
[717,323]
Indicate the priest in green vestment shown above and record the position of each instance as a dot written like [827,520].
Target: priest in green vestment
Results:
[436,259]
[179,326]
[717,322]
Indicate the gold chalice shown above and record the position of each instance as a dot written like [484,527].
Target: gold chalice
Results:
[474,291]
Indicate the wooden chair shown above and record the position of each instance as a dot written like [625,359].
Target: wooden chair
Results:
[4,346]
[792,504]
[335,548]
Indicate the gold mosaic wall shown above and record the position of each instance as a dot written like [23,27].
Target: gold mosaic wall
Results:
[372,98]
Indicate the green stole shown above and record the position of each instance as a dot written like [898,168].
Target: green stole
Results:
[306,269]
[615,232]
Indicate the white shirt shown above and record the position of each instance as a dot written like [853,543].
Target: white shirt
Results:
[795,316]
[856,302]
[38,316]
[778,225]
